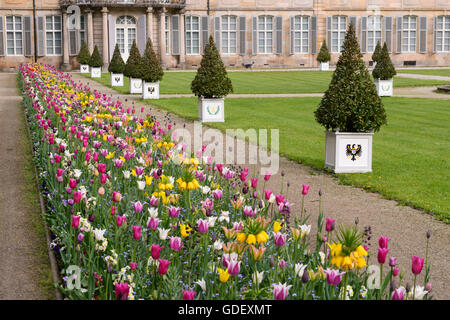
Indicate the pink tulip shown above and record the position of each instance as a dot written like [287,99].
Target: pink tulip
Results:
[234,267]
[72,183]
[254,182]
[395,271]
[202,226]
[163,266]
[305,189]
[217,194]
[138,207]
[279,238]
[80,237]
[281,291]
[417,265]
[153,223]
[103,178]
[156,250]
[101,167]
[267,194]
[267,176]
[175,243]
[113,210]
[75,221]
[133,265]
[77,196]
[334,277]
[382,252]
[248,211]
[122,290]
[173,211]
[398,294]
[392,262]
[329,224]
[116,196]
[137,232]
[154,201]
[279,199]
[120,220]
[383,242]
[189,295]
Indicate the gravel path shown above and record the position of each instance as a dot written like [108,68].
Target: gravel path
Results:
[406,226]
[422,76]
[19,277]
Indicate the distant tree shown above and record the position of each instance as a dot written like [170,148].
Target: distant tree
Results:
[151,68]
[377,52]
[324,54]
[116,65]
[83,55]
[384,70]
[134,63]
[96,59]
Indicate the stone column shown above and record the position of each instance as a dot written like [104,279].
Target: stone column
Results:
[66,63]
[105,38]
[182,41]
[90,33]
[162,38]
[150,23]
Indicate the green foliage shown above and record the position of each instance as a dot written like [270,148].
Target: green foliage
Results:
[350,237]
[211,80]
[324,54]
[351,103]
[116,65]
[84,56]
[134,63]
[376,54]
[384,70]
[151,68]
[96,59]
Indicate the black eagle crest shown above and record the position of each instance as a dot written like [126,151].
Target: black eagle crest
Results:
[353,151]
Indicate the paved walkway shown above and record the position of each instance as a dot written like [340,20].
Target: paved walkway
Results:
[422,76]
[406,226]
[19,263]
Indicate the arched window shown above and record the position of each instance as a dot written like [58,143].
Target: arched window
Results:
[265,34]
[229,34]
[373,32]
[409,33]
[443,34]
[125,34]
[301,34]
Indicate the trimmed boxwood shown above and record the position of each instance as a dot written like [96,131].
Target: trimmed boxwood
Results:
[324,54]
[377,52]
[211,80]
[351,103]
[384,70]
[96,59]
[151,68]
[116,65]
[134,63]
[83,55]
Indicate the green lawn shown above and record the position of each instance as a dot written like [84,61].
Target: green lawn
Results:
[410,155]
[428,72]
[263,82]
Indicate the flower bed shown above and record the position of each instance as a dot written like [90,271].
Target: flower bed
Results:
[141,219]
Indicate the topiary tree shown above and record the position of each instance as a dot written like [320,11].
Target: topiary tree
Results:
[384,70]
[151,68]
[134,63]
[96,59]
[351,103]
[324,55]
[211,80]
[116,65]
[83,55]
[377,52]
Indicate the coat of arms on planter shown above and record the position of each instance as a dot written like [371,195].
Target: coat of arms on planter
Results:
[213,110]
[137,84]
[353,151]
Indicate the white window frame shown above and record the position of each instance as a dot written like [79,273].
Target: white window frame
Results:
[301,35]
[83,29]
[407,34]
[265,34]
[126,23]
[190,32]
[17,36]
[338,32]
[167,33]
[374,32]
[228,30]
[53,31]
[443,34]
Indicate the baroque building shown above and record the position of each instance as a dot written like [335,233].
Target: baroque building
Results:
[266,33]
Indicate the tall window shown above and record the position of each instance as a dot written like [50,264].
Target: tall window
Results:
[338,29]
[301,32]
[125,34]
[373,32]
[409,34]
[14,42]
[229,34]
[265,34]
[443,34]
[83,30]
[167,32]
[53,35]
[192,35]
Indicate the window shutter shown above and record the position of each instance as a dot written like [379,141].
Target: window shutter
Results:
[255,36]
[2,45]
[363,34]
[435,35]
[176,34]
[73,41]
[112,35]
[353,21]
[242,35]
[217,33]
[28,49]
[141,37]
[40,36]
[205,31]
[313,34]
[423,34]
[292,34]
[329,32]
[279,34]
[388,33]
[399,35]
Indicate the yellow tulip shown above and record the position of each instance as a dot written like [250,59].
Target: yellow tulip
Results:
[251,239]
[276,227]
[224,275]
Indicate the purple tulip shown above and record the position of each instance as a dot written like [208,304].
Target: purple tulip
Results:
[398,294]
[234,267]
[279,238]
[202,225]
[173,211]
[334,277]
[281,291]
[138,207]
[175,243]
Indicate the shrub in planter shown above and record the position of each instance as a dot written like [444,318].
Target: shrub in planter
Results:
[350,111]
[211,85]
[152,72]
[133,69]
[383,73]
[116,67]
[324,57]
[83,58]
[96,64]
[376,53]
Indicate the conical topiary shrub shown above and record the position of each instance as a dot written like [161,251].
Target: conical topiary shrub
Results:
[151,68]
[83,55]
[351,103]
[117,65]
[96,59]
[211,80]
[377,52]
[133,65]
[384,70]
[324,55]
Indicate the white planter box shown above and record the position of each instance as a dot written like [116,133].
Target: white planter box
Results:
[151,90]
[84,68]
[348,152]
[135,85]
[324,66]
[116,80]
[96,72]
[211,110]
[385,88]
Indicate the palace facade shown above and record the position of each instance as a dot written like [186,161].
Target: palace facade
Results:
[265,33]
